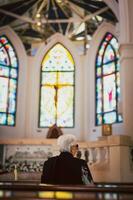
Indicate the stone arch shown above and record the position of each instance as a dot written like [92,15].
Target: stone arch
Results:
[57,38]
[90,74]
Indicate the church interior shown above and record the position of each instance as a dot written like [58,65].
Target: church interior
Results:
[66,68]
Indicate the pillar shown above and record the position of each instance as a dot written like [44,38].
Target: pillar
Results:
[126,62]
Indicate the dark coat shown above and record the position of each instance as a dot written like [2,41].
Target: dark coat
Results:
[64,169]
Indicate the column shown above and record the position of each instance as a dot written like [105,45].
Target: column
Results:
[126,62]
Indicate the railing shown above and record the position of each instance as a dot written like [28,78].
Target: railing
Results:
[32,191]
[104,157]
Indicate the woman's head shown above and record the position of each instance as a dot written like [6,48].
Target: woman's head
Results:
[67,143]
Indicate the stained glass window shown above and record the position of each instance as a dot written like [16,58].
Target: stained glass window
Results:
[8,82]
[107,81]
[57,88]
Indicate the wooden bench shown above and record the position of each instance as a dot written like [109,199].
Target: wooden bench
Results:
[35,191]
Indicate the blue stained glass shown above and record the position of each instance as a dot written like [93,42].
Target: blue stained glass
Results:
[120,118]
[118,65]
[13,73]
[99,106]
[99,60]
[12,105]
[109,118]
[14,62]
[107,81]
[117,56]
[99,88]
[109,68]
[8,82]
[3,118]
[99,119]
[4,59]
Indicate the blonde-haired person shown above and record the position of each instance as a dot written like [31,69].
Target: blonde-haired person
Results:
[65,168]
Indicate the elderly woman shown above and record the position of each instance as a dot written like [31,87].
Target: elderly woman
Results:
[65,168]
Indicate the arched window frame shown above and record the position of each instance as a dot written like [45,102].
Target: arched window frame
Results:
[10,117]
[73,103]
[116,62]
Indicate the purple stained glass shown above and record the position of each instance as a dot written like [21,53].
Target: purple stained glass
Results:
[107,81]
[8,82]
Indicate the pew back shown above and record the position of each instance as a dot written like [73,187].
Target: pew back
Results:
[35,191]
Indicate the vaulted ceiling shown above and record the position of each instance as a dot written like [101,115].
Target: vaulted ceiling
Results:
[36,20]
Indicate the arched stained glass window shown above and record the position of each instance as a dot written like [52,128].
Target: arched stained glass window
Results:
[57,88]
[8,82]
[107,81]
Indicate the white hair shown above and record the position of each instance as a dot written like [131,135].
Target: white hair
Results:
[65,142]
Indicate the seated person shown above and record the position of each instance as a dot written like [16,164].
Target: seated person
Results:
[65,168]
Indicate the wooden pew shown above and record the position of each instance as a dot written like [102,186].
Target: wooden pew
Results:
[32,191]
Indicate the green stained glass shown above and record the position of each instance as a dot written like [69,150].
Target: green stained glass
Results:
[57,88]
[99,71]
[10,120]
[8,82]
[107,81]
